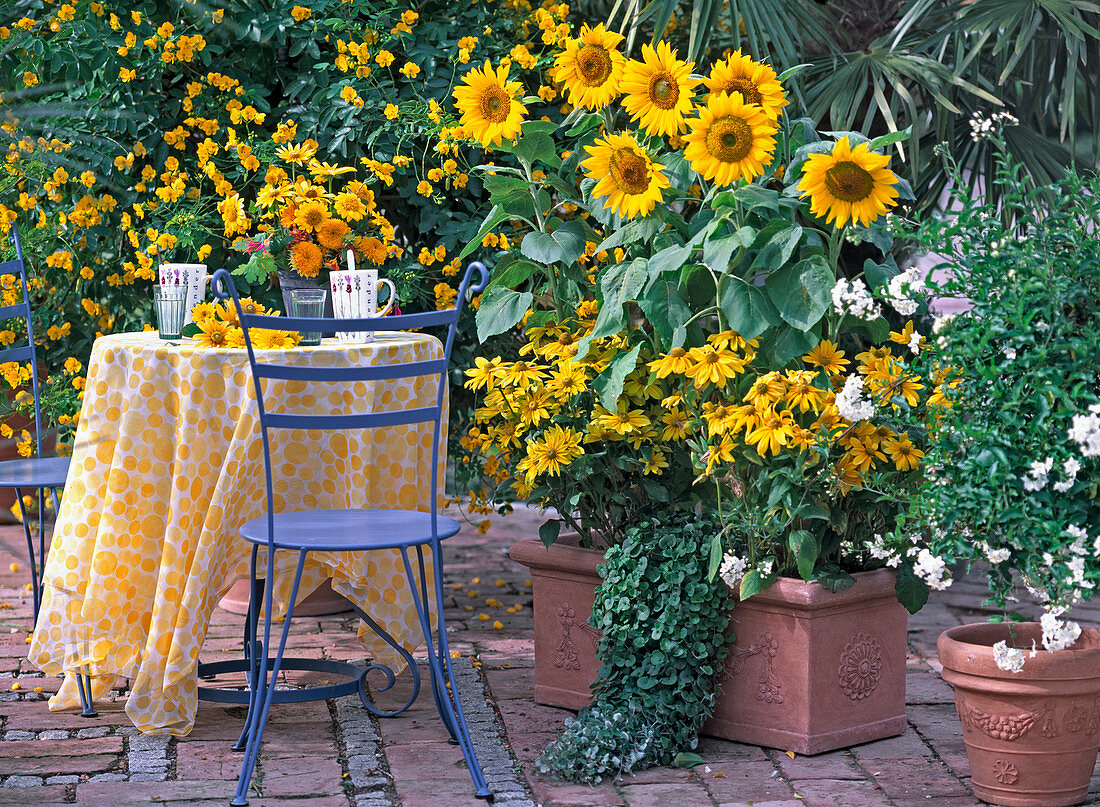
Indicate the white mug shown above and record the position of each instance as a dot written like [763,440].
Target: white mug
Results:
[191,275]
[355,295]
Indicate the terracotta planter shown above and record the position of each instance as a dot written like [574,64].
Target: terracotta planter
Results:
[564,581]
[1031,737]
[812,671]
[321,602]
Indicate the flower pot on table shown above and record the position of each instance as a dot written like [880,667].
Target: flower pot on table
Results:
[809,671]
[1032,736]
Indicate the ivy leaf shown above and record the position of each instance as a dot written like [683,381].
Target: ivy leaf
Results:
[501,308]
[563,245]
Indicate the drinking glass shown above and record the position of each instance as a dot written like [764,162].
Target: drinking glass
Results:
[308,303]
[171,305]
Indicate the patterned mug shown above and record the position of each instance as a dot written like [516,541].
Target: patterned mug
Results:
[355,295]
[192,276]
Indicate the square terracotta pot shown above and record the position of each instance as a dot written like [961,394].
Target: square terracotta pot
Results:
[812,671]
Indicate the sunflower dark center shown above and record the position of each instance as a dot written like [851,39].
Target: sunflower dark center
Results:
[629,170]
[849,182]
[729,139]
[495,105]
[749,91]
[664,92]
[593,64]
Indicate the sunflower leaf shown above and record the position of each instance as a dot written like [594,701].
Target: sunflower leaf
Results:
[802,291]
[563,245]
[746,308]
[609,384]
[501,308]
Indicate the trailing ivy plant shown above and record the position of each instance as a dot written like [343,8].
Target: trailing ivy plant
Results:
[664,625]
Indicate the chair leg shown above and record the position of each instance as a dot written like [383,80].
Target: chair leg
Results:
[442,702]
[258,719]
[441,671]
[36,588]
[252,652]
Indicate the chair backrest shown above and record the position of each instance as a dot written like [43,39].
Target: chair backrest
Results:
[22,310]
[273,364]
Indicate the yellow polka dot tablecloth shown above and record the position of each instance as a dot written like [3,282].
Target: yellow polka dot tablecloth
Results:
[168,463]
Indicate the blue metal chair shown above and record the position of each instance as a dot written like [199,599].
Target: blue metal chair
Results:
[39,473]
[346,530]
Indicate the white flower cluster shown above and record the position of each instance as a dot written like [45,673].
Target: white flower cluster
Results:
[1011,659]
[914,342]
[902,288]
[1085,431]
[853,297]
[994,556]
[850,403]
[1058,635]
[932,570]
[732,570]
[878,549]
[1071,467]
[1038,475]
[982,128]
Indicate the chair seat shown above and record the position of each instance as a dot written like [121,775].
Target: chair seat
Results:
[347,530]
[34,472]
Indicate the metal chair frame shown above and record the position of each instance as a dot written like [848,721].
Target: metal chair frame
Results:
[258,662]
[38,472]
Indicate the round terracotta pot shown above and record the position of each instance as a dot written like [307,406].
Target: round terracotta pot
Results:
[1031,737]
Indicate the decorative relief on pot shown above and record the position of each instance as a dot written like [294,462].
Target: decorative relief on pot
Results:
[1009,727]
[1078,718]
[593,634]
[567,650]
[769,688]
[860,666]
[1005,772]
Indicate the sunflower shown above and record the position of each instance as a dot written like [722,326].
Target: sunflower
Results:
[851,183]
[350,207]
[203,311]
[489,106]
[756,82]
[311,215]
[331,234]
[730,140]
[827,357]
[213,333]
[305,258]
[372,249]
[590,67]
[658,90]
[625,174]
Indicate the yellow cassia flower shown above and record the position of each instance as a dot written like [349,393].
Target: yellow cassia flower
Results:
[849,183]
[730,140]
[330,234]
[625,174]
[488,104]
[305,258]
[658,90]
[311,215]
[756,82]
[590,67]
[905,455]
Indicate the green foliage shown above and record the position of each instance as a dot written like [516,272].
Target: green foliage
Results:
[664,624]
[1012,479]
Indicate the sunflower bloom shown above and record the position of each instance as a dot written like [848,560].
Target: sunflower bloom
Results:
[730,140]
[590,67]
[625,175]
[850,183]
[312,214]
[489,106]
[658,90]
[331,234]
[756,82]
[305,258]
[213,333]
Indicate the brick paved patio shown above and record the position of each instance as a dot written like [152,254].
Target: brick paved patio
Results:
[335,755]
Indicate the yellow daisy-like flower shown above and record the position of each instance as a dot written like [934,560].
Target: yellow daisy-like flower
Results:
[294,153]
[590,67]
[676,361]
[772,433]
[710,366]
[622,422]
[625,174]
[730,140]
[827,357]
[305,258]
[350,207]
[658,90]
[905,455]
[213,333]
[850,183]
[372,249]
[250,306]
[756,82]
[311,215]
[200,313]
[488,104]
[330,234]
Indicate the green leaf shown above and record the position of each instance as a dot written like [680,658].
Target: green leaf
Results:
[637,230]
[912,592]
[717,252]
[746,308]
[753,196]
[549,531]
[890,139]
[754,582]
[715,558]
[495,217]
[785,342]
[504,190]
[259,267]
[501,308]
[563,245]
[534,146]
[779,248]
[664,308]
[620,284]
[669,259]
[802,291]
[806,549]
[686,759]
[609,384]
[834,578]
[512,273]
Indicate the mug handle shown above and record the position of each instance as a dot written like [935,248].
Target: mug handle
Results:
[385,281]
